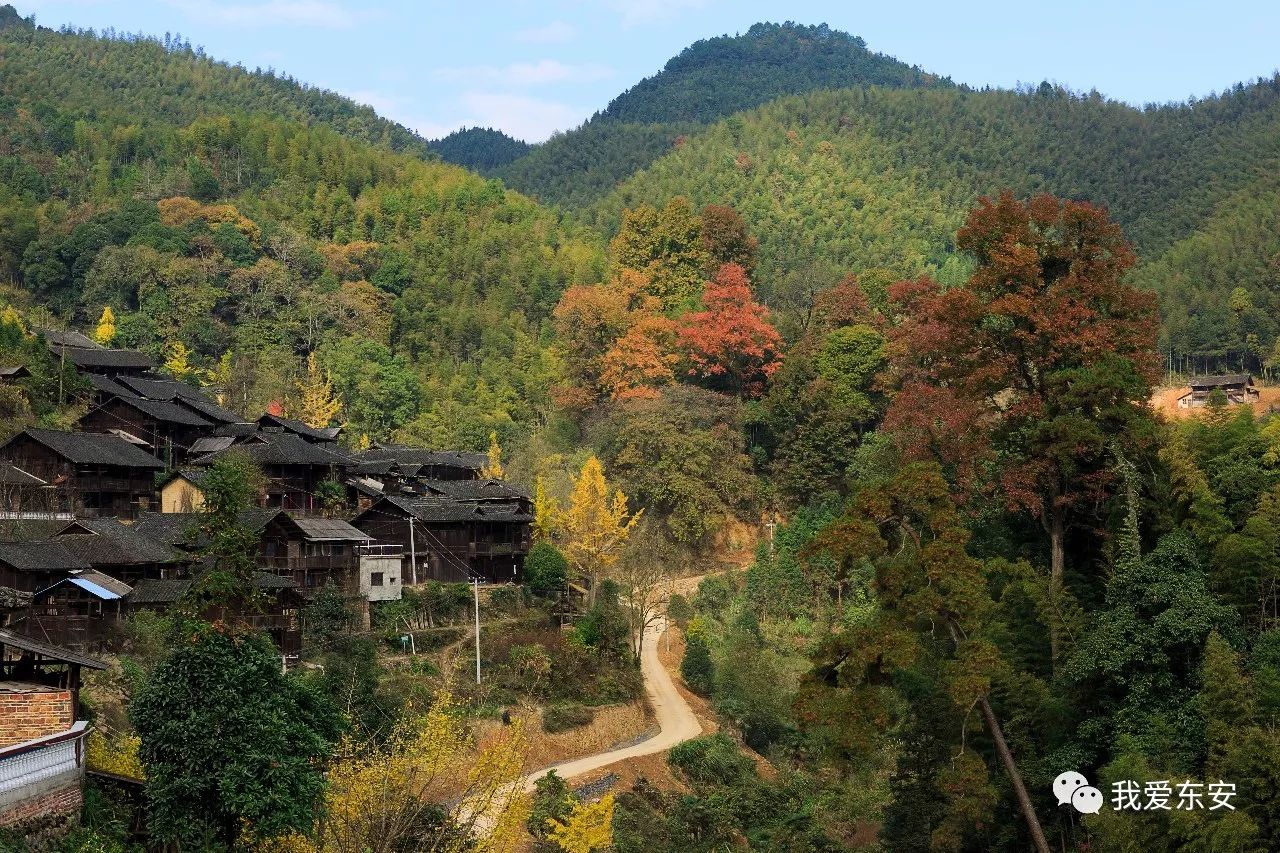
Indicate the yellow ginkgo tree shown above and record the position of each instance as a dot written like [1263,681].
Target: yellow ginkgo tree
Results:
[429,787]
[493,469]
[595,525]
[318,405]
[588,827]
[105,332]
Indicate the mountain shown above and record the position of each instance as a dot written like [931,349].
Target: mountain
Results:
[479,148]
[235,222]
[709,80]
[876,181]
[136,78]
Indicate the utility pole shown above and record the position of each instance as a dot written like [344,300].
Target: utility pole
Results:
[476,588]
[413,555]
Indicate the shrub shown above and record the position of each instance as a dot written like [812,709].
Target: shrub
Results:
[697,669]
[545,569]
[561,718]
[711,759]
[678,610]
[552,800]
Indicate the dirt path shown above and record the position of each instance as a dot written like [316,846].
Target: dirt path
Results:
[676,720]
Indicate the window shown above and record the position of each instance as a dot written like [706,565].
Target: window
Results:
[375,579]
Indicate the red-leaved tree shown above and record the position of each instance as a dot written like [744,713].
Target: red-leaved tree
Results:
[731,344]
[1042,361]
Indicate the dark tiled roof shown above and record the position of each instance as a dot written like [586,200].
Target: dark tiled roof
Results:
[153,591]
[48,650]
[327,529]
[212,444]
[14,371]
[297,427]
[237,430]
[161,411]
[474,490]
[266,580]
[192,475]
[40,557]
[112,550]
[91,448]
[159,387]
[182,528]
[1220,381]
[283,448]
[12,475]
[60,338]
[445,510]
[123,359]
[210,410]
[106,386]
[30,529]
[403,455]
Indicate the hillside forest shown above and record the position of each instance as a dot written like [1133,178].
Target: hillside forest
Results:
[893,337]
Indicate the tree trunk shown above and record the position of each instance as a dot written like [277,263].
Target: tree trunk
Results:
[1015,778]
[1057,564]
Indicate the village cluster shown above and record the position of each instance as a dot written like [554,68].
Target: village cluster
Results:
[102,520]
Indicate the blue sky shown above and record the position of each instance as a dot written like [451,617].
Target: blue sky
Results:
[531,68]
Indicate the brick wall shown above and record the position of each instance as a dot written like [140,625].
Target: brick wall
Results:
[24,716]
[49,811]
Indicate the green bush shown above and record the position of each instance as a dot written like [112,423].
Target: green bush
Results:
[561,718]
[545,569]
[711,759]
[551,799]
[678,610]
[696,666]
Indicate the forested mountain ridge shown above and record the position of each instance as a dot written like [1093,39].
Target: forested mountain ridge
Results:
[479,148]
[137,78]
[711,79]
[235,243]
[877,180]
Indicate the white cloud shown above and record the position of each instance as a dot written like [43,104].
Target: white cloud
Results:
[636,12]
[530,119]
[556,32]
[539,73]
[304,13]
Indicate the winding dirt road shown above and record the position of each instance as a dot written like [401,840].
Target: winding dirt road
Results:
[676,722]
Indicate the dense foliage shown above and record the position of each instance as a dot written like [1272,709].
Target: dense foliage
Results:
[251,241]
[710,79]
[479,148]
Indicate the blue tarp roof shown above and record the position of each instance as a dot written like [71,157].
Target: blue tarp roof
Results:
[92,588]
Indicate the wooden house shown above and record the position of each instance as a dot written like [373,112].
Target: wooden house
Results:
[121,551]
[32,566]
[280,619]
[166,429]
[450,540]
[1238,388]
[278,423]
[294,469]
[308,550]
[77,612]
[95,474]
[24,495]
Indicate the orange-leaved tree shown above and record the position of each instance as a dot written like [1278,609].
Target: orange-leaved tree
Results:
[731,344]
[1043,359]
